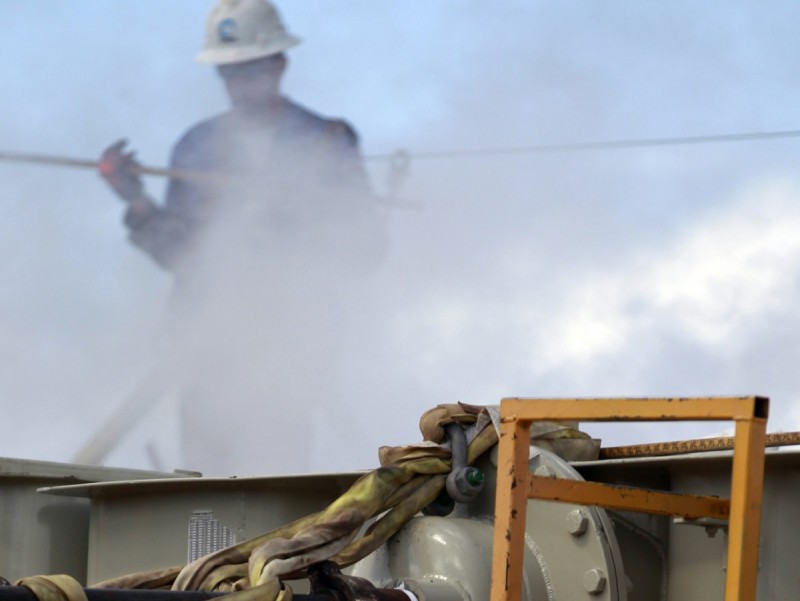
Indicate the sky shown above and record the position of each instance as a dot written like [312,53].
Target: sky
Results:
[658,271]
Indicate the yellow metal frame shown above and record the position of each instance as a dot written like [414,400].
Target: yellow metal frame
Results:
[515,483]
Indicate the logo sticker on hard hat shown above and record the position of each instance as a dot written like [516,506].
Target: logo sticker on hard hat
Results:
[228,30]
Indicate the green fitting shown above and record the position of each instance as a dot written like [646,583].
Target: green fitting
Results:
[475,477]
[441,506]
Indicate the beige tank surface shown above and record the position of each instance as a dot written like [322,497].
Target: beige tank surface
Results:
[575,552]
[450,557]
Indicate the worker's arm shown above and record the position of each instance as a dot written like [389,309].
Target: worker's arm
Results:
[160,231]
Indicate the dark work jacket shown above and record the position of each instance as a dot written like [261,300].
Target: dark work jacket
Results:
[295,167]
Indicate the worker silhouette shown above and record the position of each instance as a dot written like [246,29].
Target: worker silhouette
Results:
[266,227]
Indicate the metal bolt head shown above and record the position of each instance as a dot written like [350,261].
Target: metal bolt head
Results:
[576,522]
[594,581]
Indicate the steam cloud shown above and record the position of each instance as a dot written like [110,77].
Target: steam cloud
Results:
[640,272]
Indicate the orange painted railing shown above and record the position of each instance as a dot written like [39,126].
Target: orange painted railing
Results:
[515,483]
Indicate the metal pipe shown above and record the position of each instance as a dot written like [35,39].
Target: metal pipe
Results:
[21,593]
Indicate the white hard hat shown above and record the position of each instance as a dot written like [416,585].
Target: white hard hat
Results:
[244,30]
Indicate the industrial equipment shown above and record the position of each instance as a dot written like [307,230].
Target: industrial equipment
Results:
[530,520]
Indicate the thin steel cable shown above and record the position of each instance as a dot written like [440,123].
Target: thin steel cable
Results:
[586,146]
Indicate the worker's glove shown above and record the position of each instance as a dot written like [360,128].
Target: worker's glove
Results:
[117,168]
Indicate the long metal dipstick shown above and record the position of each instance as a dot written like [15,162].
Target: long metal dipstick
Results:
[178,174]
[61,161]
